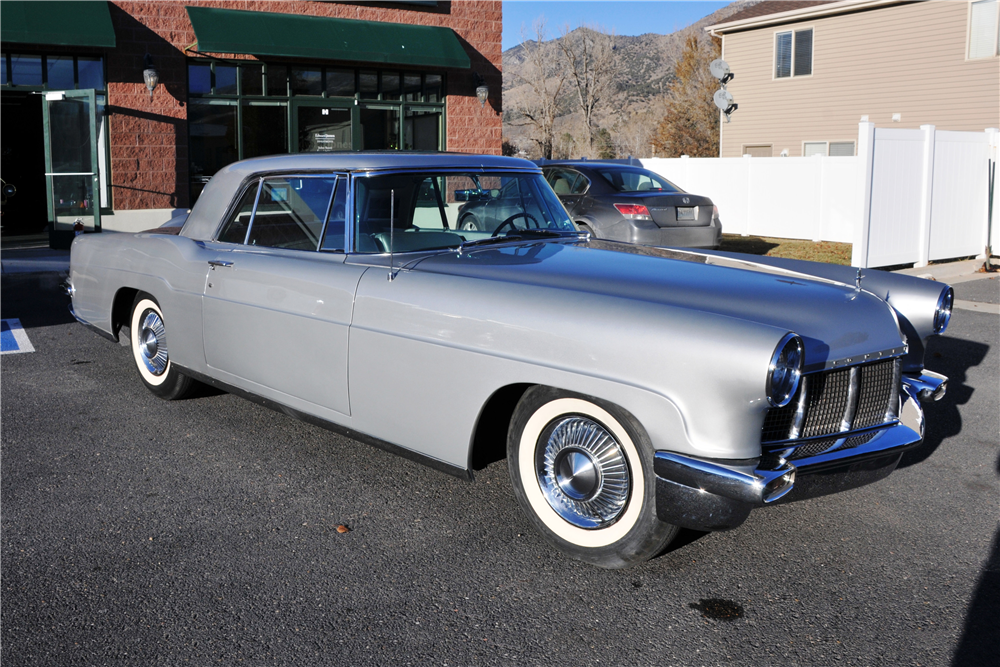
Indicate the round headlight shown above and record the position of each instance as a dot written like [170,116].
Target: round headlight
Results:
[785,370]
[942,315]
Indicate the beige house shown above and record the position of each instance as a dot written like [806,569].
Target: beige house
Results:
[806,73]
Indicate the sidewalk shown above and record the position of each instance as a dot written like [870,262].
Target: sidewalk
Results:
[33,260]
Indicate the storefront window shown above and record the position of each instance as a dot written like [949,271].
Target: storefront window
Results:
[212,128]
[277,80]
[225,79]
[199,78]
[379,128]
[251,78]
[368,85]
[91,73]
[60,72]
[339,82]
[422,130]
[390,86]
[26,70]
[243,109]
[306,81]
[265,129]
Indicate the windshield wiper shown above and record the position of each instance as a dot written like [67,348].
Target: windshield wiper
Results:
[522,235]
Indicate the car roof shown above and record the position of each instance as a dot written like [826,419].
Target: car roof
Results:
[206,216]
[592,164]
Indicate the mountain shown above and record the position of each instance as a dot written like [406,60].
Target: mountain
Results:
[645,65]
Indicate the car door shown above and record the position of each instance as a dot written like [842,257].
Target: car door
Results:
[277,308]
[570,186]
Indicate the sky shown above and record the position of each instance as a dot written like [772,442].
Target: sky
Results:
[623,17]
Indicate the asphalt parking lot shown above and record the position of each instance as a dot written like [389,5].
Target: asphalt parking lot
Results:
[204,531]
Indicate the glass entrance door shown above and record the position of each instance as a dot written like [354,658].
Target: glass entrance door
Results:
[72,171]
[319,125]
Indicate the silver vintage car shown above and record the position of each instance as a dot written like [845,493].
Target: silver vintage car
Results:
[633,390]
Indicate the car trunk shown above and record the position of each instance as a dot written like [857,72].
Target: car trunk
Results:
[672,209]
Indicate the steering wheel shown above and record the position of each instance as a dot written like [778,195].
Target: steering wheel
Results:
[510,222]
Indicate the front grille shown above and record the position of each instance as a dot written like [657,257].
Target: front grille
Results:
[814,447]
[839,400]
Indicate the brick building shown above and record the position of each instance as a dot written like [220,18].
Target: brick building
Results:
[84,137]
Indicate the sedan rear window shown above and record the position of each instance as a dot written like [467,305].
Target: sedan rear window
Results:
[637,180]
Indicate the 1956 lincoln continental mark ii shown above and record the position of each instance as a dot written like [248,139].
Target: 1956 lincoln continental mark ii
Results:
[633,390]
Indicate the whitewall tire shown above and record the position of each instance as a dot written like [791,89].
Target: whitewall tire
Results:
[582,471]
[148,337]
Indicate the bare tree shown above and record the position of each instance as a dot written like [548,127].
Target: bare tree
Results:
[633,135]
[690,125]
[591,69]
[540,106]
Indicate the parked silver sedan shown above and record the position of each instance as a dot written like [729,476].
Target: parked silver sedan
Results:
[632,390]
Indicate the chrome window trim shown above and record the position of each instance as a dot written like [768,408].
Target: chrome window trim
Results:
[234,205]
[260,187]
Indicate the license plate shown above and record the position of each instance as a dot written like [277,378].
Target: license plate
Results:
[687,213]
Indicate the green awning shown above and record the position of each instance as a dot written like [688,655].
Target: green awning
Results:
[291,35]
[64,23]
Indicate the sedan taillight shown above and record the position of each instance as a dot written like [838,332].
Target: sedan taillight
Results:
[634,211]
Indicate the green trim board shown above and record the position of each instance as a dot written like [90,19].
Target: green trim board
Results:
[64,23]
[290,35]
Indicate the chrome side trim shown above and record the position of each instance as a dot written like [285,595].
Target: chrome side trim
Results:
[928,386]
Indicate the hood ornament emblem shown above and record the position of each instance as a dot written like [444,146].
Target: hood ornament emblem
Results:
[857,285]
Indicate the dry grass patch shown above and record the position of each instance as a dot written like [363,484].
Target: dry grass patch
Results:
[824,251]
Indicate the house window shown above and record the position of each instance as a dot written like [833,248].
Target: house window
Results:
[984,29]
[810,148]
[793,53]
[758,150]
[841,149]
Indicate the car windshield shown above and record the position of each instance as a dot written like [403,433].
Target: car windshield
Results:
[637,180]
[411,212]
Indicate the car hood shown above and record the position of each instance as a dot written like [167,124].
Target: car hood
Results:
[837,322]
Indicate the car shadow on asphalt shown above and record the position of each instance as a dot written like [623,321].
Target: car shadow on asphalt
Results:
[36,299]
[980,642]
[951,357]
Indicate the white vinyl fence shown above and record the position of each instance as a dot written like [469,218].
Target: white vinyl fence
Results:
[908,196]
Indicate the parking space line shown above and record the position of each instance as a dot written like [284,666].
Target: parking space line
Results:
[13,338]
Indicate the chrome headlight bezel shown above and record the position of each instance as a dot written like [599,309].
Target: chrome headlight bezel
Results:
[785,370]
[942,313]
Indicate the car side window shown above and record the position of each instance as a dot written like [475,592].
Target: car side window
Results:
[235,229]
[290,212]
[567,181]
[579,185]
[333,237]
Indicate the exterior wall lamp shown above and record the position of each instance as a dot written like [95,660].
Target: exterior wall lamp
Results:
[482,90]
[149,75]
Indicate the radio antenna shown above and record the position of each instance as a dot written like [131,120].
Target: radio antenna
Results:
[392,229]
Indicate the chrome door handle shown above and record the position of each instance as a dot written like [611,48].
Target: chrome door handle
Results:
[219,262]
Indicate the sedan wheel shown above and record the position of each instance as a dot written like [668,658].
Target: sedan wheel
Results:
[148,335]
[469,224]
[582,472]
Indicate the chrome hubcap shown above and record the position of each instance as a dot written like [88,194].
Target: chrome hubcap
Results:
[153,343]
[582,472]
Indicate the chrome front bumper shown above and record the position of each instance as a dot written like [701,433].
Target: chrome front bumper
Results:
[705,494]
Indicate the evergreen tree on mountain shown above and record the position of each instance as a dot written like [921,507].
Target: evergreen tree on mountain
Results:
[690,125]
